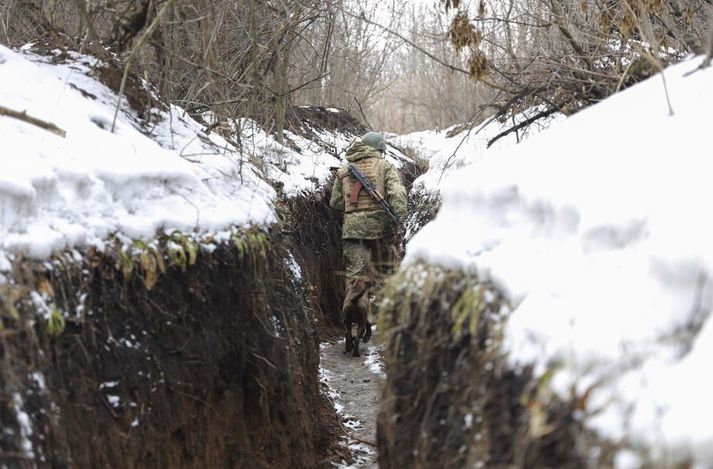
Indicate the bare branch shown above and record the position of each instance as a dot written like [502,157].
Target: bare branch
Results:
[134,50]
[523,124]
[48,126]
[410,43]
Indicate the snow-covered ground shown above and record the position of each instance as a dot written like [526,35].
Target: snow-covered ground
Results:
[141,179]
[464,147]
[76,190]
[596,230]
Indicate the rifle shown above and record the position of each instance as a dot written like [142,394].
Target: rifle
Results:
[363,181]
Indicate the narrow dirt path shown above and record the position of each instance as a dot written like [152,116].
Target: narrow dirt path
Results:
[354,385]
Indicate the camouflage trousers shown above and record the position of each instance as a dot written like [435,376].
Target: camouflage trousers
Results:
[370,259]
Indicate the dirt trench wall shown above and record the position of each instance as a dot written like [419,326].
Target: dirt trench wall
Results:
[315,231]
[450,399]
[215,366]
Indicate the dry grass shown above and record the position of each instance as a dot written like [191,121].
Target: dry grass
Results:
[450,399]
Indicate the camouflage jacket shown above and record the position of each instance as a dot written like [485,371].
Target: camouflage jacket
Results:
[373,223]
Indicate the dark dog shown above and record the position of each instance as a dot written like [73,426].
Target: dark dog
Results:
[356,311]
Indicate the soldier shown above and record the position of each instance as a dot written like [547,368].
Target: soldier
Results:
[368,231]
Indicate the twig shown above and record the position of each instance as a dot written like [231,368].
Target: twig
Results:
[366,121]
[554,4]
[48,126]
[467,135]
[93,36]
[453,155]
[264,360]
[665,89]
[653,61]
[297,88]
[709,52]
[522,124]
[14,455]
[623,76]
[134,50]
[108,407]
[707,59]
[410,43]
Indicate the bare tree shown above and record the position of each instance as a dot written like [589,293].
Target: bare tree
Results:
[564,54]
[235,58]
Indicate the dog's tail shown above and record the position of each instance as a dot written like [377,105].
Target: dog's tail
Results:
[354,296]
[367,333]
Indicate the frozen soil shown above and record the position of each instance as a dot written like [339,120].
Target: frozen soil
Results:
[354,385]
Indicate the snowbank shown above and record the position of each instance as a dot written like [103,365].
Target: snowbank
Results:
[596,230]
[300,165]
[77,190]
[166,174]
[451,149]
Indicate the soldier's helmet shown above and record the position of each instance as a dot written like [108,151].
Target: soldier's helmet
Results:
[375,140]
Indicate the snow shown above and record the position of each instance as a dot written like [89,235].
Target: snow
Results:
[5,264]
[145,177]
[42,304]
[325,377]
[39,379]
[74,191]
[360,452]
[23,419]
[130,343]
[596,231]
[292,264]
[465,147]
[277,328]
[108,384]
[305,169]
[373,358]
[115,401]
[468,422]
[298,173]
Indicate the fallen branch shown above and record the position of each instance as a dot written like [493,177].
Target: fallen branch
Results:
[525,123]
[48,126]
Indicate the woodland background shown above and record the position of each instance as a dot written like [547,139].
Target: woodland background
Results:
[400,66]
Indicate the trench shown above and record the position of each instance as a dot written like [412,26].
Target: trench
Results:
[188,352]
[211,360]
[230,355]
[354,386]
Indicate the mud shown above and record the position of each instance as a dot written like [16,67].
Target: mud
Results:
[358,387]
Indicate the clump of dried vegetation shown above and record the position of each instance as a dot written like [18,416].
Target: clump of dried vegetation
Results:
[451,399]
